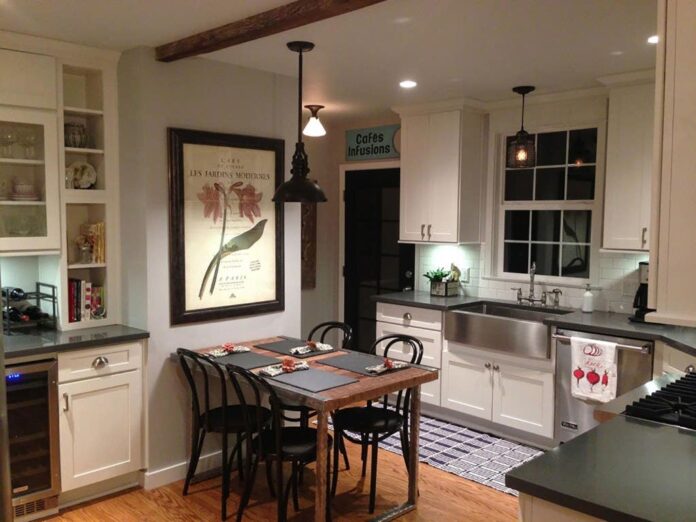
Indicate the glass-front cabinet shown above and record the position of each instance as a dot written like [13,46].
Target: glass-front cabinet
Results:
[29,213]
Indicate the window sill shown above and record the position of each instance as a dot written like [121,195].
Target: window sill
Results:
[543,280]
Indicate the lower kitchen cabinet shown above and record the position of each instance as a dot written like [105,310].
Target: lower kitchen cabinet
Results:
[467,385]
[100,428]
[495,390]
[432,348]
[523,399]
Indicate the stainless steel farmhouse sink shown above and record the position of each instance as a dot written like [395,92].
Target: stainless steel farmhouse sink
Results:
[510,328]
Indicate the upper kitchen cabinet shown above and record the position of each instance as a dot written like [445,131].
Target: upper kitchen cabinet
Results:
[32,82]
[441,173]
[672,239]
[29,210]
[628,175]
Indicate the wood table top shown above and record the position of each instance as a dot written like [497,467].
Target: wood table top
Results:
[366,387]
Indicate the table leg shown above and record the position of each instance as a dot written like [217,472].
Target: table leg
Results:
[320,499]
[413,454]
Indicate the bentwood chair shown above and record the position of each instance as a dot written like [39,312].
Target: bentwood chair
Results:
[374,423]
[320,333]
[272,442]
[224,418]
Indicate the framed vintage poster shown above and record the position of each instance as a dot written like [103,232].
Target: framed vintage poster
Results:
[225,233]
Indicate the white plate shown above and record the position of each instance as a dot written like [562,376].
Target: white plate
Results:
[80,175]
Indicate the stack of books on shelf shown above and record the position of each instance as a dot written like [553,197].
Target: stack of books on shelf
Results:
[94,232]
[85,301]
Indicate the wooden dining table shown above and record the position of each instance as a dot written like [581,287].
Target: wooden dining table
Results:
[363,389]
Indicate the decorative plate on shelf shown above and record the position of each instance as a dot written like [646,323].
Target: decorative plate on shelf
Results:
[80,175]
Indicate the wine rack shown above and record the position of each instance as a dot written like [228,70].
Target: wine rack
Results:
[45,297]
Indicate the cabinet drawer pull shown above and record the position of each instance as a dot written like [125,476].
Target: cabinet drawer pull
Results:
[496,368]
[422,231]
[429,227]
[487,366]
[643,239]
[66,400]
[407,316]
[100,362]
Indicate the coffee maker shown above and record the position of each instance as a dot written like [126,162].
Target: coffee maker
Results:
[640,301]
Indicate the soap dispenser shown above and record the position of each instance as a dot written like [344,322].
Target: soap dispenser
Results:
[587,300]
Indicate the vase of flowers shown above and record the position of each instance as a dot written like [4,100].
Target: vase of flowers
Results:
[441,284]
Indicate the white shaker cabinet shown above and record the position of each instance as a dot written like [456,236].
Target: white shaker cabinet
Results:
[467,385]
[441,173]
[28,80]
[672,240]
[629,167]
[101,419]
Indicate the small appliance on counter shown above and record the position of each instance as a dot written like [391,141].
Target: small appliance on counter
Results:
[640,301]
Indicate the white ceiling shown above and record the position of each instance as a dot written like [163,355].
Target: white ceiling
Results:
[453,48]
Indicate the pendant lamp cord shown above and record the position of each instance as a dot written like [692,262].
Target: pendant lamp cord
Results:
[299,105]
[522,106]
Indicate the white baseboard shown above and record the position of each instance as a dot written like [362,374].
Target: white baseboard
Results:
[161,477]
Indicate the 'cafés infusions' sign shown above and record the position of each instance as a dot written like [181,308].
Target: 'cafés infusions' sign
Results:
[373,143]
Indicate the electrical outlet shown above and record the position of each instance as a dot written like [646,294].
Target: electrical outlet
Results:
[466,276]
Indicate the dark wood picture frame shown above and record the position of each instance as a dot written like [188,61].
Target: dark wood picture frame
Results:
[177,137]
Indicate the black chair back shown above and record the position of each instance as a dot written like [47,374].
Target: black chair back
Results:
[344,331]
[201,392]
[392,342]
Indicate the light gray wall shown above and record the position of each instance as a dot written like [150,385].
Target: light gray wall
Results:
[195,94]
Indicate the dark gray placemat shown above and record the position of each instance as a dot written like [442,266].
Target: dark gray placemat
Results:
[246,360]
[283,347]
[314,380]
[354,362]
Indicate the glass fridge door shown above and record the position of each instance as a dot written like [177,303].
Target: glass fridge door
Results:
[28,180]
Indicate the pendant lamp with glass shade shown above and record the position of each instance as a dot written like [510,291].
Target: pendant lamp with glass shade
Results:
[299,188]
[314,128]
[520,151]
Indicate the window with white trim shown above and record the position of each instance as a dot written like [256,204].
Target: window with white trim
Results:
[546,211]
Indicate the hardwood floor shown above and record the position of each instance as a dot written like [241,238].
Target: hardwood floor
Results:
[444,497]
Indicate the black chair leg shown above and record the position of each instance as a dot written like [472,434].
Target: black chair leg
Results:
[269,476]
[285,495]
[304,423]
[363,448]
[296,466]
[373,472]
[344,452]
[225,478]
[196,448]
[240,467]
[336,445]
[405,448]
[248,486]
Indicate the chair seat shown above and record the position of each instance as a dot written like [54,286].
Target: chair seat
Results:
[235,418]
[368,420]
[296,443]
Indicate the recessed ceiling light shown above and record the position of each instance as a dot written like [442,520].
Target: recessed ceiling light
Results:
[616,53]
[402,20]
[407,84]
[653,39]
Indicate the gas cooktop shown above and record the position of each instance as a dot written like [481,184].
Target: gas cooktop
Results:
[674,404]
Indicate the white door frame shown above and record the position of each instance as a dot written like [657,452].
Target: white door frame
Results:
[343,170]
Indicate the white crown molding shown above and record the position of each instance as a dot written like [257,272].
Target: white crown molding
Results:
[60,49]
[547,98]
[445,105]
[630,78]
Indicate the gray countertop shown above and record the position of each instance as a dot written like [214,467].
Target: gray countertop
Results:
[49,341]
[424,300]
[608,323]
[625,469]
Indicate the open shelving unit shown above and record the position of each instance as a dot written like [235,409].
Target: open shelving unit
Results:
[88,97]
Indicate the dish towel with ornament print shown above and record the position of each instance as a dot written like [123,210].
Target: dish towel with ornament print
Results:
[594,369]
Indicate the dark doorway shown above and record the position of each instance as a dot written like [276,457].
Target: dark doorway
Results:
[375,262]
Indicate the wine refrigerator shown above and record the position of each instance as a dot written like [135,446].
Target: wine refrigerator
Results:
[32,420]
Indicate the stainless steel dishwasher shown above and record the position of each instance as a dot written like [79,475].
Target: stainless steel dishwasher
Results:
[576,416]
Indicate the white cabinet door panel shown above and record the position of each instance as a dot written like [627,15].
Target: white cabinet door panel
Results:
[523,399]
[100,428]
[432,351]
[414,199]
[29,80]
[467,384]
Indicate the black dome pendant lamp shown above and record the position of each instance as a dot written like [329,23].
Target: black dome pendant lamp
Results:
[299,188]
[520,151]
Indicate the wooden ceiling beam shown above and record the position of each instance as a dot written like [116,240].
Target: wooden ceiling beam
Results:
[273,21]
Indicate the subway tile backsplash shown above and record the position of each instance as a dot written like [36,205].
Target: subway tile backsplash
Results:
[613,291]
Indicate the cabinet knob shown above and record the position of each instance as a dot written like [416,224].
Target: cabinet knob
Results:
[496,368]
[100,362]
[429,227]
[487,366]
[422,231]
[407,316]
[643,239]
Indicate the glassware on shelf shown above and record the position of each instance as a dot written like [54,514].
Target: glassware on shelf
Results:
[75,135]
[28,141]
[8,137]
